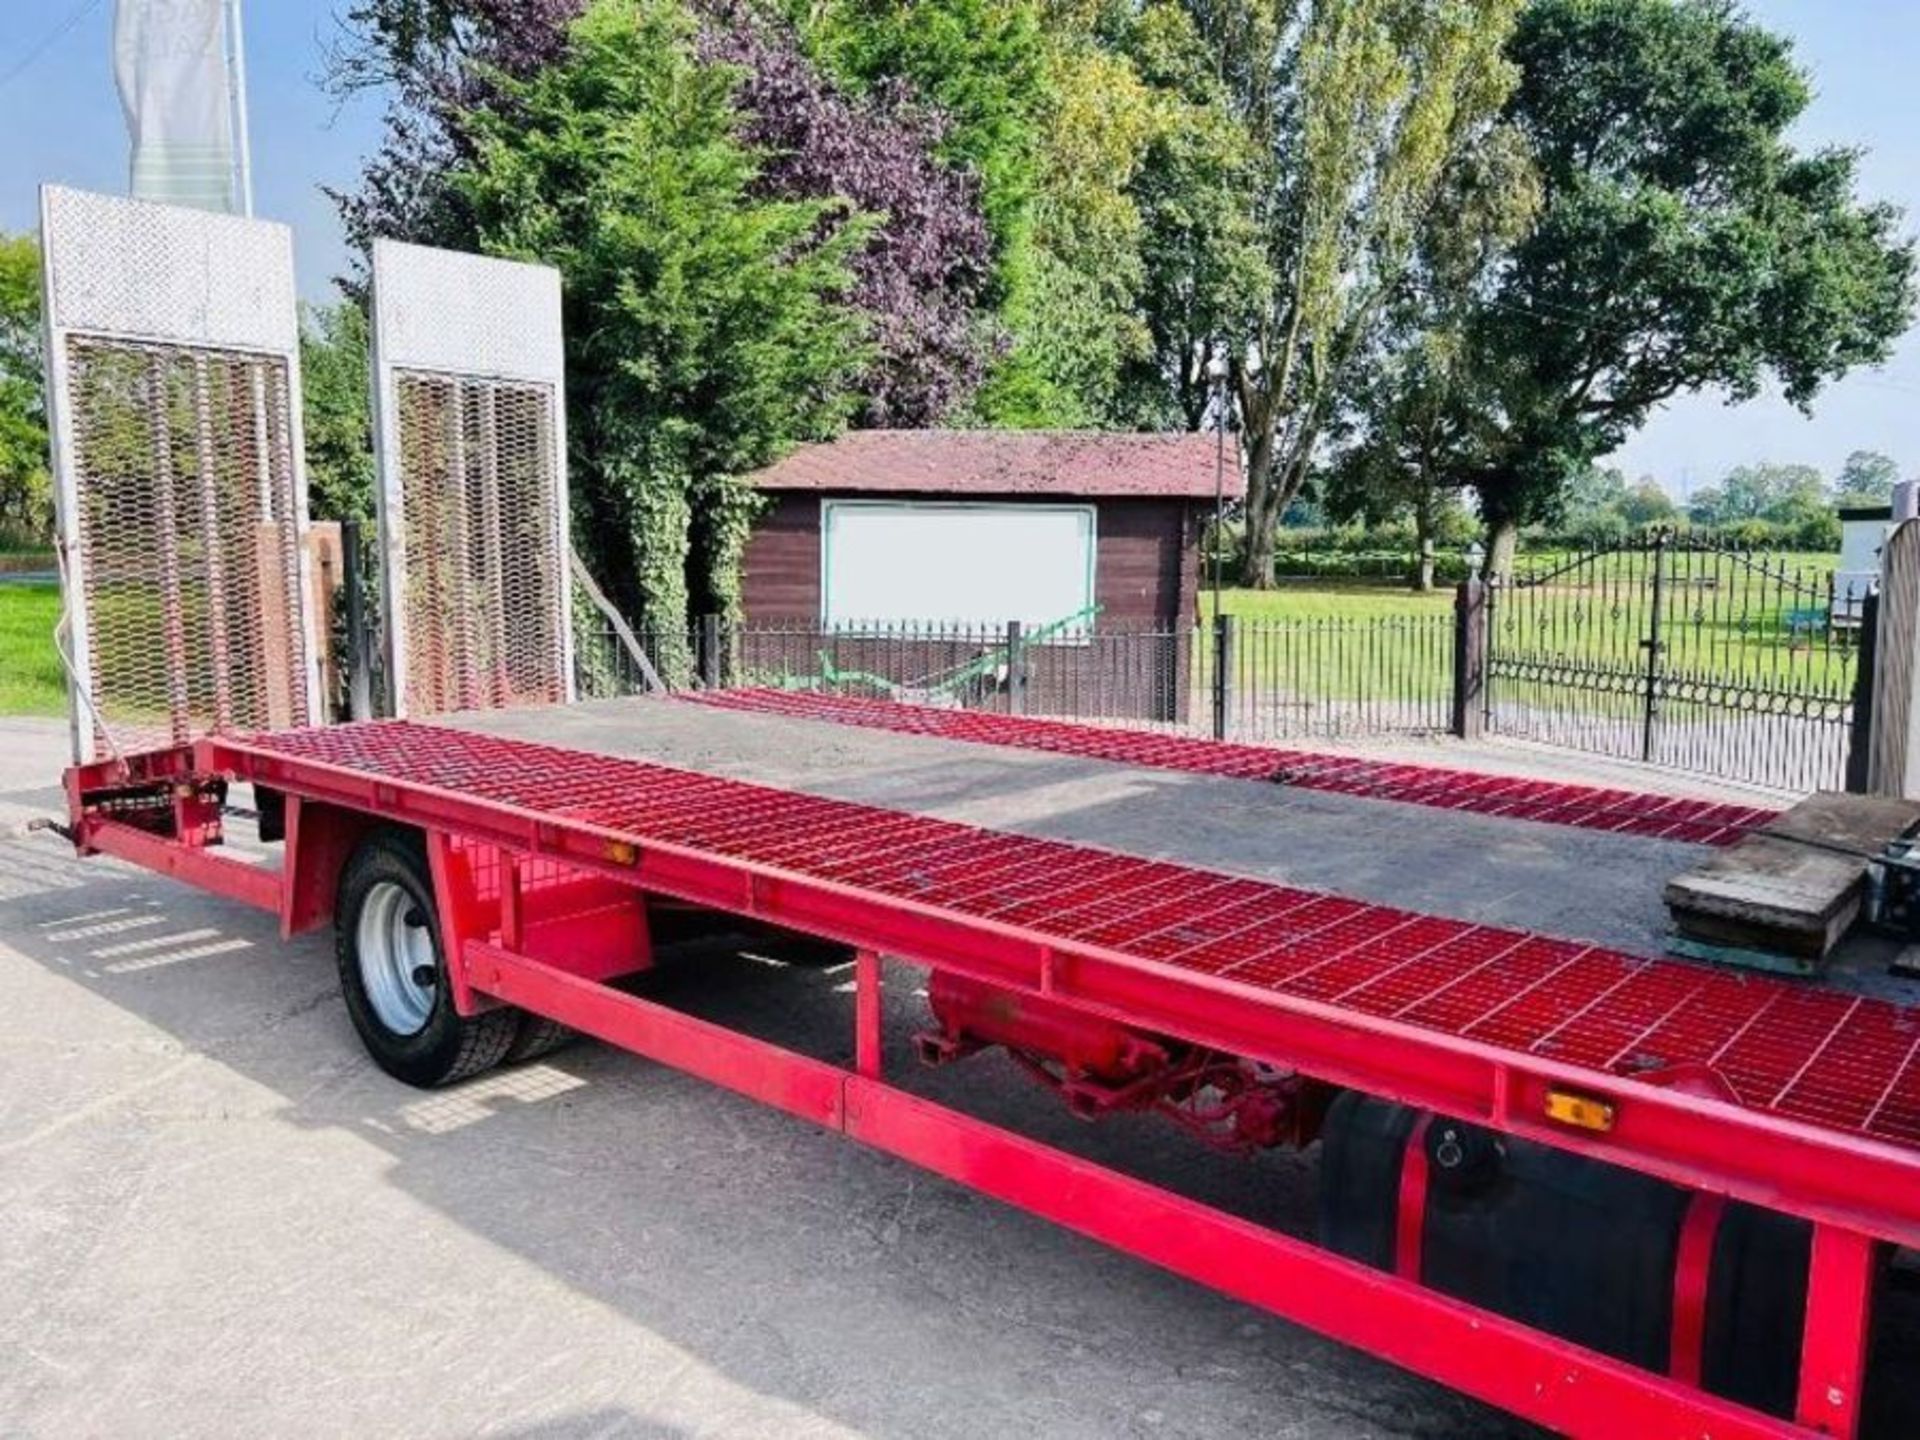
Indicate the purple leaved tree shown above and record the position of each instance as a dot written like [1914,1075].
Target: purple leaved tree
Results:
[924,276]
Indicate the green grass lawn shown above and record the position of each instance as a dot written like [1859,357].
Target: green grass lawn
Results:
[1331,601]
[31,681]
[1335,641]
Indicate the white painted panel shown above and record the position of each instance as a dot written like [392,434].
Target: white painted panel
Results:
[891,562]
[459,314]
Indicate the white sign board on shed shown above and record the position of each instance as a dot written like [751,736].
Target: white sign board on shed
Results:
[887,562]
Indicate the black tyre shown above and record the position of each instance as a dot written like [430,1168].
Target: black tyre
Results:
[393,972]
[538,1037]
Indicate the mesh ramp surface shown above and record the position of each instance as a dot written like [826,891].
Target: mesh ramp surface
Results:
[484,574]
[1839,1061]
[186,512]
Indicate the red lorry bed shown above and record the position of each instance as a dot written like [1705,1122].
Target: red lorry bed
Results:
[1466,1010]
[1802,1099]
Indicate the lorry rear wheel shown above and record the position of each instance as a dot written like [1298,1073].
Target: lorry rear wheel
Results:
[537,1038]
[393,972]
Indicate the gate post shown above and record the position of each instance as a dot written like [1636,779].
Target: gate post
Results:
[1651,707]
[710,666]
[1016,669]
[1469,658]
[1222,672]
[1893,763]
[1865,663]
[353,579]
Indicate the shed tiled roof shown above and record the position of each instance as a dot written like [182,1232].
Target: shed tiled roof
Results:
[1006,462]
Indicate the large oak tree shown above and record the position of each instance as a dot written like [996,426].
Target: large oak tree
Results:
[1683,244]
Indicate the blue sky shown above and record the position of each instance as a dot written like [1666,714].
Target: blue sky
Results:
[62,117]
[62,122]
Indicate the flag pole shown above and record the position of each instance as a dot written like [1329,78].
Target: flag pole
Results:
[237,76]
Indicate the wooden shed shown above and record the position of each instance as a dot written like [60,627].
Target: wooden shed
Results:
[1091,540]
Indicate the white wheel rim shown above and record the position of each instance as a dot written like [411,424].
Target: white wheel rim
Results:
[394,945]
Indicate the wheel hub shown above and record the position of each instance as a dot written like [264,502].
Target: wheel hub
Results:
[397,965]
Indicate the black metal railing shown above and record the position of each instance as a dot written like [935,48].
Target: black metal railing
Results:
[1336,676]
[1739,665]
[1253,679]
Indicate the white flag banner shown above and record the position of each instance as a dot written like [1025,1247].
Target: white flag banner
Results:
[171,64]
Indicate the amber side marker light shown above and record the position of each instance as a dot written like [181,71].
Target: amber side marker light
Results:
[1582,1112]
[621,852]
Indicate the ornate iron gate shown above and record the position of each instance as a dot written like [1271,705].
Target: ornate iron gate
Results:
[1724,662]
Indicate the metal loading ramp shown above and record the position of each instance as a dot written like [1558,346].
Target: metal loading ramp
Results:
[469,416]
[173,401]
[1757,1085]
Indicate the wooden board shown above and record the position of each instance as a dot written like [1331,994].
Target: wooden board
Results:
[1795,888]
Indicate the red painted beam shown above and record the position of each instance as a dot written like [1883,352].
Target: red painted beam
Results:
[1002,908]
[1524,1371]
[1833,1355]
[255,885]
[1536,1376]
[810,1089]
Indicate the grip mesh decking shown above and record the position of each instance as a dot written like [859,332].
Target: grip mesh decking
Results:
[173,366]
[472,435]
[1842,1062]
[1585,807]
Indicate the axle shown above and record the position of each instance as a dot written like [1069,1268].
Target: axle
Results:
[1099,1068]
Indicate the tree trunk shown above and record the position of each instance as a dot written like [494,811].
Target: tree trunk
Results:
[1259,536]
[1423,541]
[1503,543]
[1262,522]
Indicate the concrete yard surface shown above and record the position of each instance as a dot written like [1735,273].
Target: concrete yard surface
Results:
[33,750]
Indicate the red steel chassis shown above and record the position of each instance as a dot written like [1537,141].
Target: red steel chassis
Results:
[544,860]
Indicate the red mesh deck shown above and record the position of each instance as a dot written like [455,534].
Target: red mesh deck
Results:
[1839,1061]
[1585,807]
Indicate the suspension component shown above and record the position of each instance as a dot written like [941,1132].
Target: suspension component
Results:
[1099,1068]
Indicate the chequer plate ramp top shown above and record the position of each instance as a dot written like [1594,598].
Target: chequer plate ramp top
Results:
[1840,1063]
[173,369]
[1585,807]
